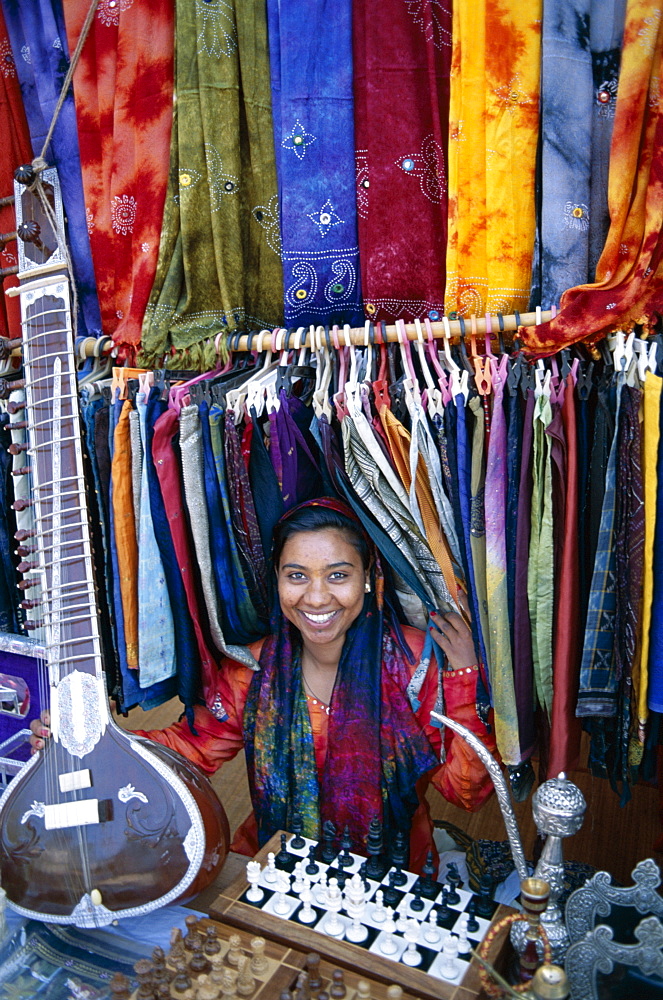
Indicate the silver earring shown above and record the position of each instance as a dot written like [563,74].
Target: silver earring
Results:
[367,588]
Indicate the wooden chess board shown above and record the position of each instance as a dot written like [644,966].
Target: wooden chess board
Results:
[364,961]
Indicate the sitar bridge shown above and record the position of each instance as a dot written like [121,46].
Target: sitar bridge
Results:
[64,815]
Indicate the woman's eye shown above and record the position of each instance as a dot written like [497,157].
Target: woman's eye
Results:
[339,576]
[295,576]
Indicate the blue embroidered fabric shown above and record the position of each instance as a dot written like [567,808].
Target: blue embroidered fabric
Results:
[313,112]
[39,42]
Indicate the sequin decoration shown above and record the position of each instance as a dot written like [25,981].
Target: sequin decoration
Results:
[267,216]
[576,216]
[363,182]
[326,218]
[218,36]
[7,64]
[428,166]
[432,16]
[298,140]
[606,98]
[123,214]
[108,11]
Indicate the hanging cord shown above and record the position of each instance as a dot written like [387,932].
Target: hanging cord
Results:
[39,163]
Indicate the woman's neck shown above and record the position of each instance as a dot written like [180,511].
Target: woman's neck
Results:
[319,668]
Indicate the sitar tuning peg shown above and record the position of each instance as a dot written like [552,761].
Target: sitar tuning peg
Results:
[13,406]
[7,386]
[28,605]
[26,470]
[16,449]
[25,174]
[21,504]
[7,346]
[23,533]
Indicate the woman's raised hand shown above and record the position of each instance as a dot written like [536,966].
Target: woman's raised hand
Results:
[454,636]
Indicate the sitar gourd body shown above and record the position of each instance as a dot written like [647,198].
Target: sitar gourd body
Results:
[100,824]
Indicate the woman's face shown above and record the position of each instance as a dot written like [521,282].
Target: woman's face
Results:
[321,583]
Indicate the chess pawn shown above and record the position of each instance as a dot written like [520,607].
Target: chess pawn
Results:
[198,963]
[388,945]
[211,944]
[259,963]
[394,992]
[431,932]
[337,989]
[313,970]
[299,876]
[363,990]
[191,929]
[307,914]
[378,912]
[206,989]
[228,985]
[302,991]
[143,969]
[332,924]
[321,890]
[180,988]
[120,987]
[246,984]
[297,825]
[281,904]
[463,943]
[255,893]
[234,950]
[270,870]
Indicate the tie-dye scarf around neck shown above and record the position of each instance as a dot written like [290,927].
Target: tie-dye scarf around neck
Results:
[376,748]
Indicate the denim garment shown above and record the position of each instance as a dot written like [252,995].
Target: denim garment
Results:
[265,485]
[157,659]
[39,42]
[310,50]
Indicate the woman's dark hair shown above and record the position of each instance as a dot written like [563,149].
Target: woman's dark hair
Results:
[319,519]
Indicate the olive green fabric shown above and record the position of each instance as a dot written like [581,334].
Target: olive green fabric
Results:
[219,267]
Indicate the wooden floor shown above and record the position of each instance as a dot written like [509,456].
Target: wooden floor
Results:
[612,838]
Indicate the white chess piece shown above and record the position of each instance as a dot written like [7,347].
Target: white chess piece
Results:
[355,905]
[298,881]
[255,893]
[449,965]
[431,930]
[321,890]
[332,924]
[378,913]
[411,956]
[270,870]
[281,903]
[307,914]
[388,944]
[463,943]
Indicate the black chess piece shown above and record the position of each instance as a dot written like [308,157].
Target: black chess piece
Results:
[344,860]
[282,858]
[297,824]
[443,911]
[398,857]
[472,922]
[485,904]
[391,896]
[452,869]
[453,878]
[417,904]
[341,878]
[328,852]
[312,868]
[427,881]
[374,846]
[363,871]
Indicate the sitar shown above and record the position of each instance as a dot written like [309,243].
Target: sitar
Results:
[100,824]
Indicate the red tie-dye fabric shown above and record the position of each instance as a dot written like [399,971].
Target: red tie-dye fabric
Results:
[629,274]
[14,149]
[402,55]
[124,98]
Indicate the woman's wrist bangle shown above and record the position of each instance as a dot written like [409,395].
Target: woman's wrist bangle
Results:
[463,670]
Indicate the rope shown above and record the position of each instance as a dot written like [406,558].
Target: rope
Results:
[39,164]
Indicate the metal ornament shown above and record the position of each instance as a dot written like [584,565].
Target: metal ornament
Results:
[598,952]
[598,895]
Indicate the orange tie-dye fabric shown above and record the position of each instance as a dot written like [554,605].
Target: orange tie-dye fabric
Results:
[123,87]
[493,134]
[629,274]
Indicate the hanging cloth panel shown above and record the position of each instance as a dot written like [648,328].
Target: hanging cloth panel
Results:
[493,135]
[651,439]
[629,275]
[39,41]
[14,149]
[499,632]
[311,65]
[402,56]
[123,86]
[219,265]
[540,582]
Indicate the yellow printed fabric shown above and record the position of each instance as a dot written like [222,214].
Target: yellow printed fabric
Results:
[651,435]
[493,133]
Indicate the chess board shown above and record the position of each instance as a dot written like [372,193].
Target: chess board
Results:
[427,979]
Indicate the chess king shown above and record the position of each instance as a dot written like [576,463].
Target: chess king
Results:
[336,721]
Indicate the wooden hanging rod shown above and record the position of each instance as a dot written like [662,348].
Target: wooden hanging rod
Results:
[358,336]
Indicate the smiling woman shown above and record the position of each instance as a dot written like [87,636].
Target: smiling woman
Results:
[330,724]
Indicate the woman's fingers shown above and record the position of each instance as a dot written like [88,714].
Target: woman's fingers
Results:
[454,638]
[40,729]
